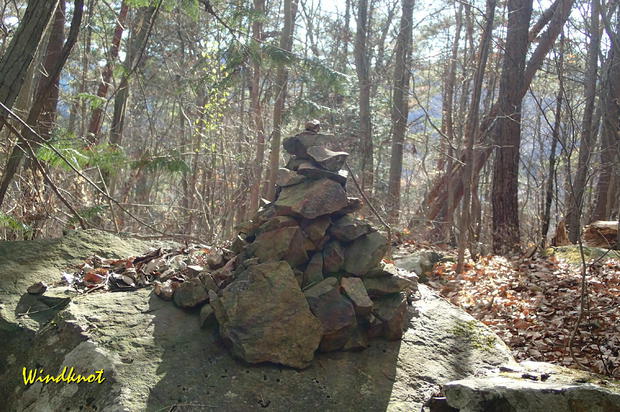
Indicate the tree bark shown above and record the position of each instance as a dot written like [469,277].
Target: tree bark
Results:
[610,134]
[588,129]
[20,52]
[362,67]
[471,124]
[96,119]
[286,44]
[256,109]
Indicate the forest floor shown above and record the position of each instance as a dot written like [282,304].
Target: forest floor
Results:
[533,304]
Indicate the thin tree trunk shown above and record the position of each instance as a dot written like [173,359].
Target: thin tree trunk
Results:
[400,107]
[96,119]
[471,124]
[256,109]
[588,131]
[286,44]
[362,67]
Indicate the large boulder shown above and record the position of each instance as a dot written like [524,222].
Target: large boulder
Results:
[136,334]
[311,199]
[365,253]
[535,387]
[266,318]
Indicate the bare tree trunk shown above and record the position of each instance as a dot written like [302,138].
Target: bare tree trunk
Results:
[20,52]
[400,107]
[362,67]
[588,131]
[507,131]
[256,110]
[286,44]
[96,118]
[555,136]
[471,127]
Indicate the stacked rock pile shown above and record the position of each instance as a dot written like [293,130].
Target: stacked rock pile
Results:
[306,275]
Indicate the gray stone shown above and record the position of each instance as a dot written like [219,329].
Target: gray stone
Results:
[355,290]
[265,316]
[298,145]
[312,171]
[37,288]
[391,312]
[337,317]
[315,229]
[535,387]
[190,294]
[421,263]
[365,253]
[275,223]
[287,177]
[390,284]
[333,257]
[285,243]
[330,160]
[326,285]
[382,270]
[139,335]
[207,316]
[347,228]
[311,199]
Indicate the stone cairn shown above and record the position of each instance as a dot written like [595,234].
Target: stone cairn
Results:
[304,274]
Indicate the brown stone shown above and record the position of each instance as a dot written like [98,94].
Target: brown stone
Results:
[313,172]
[285,243]
[333,257]
[355,290]
[190,294]
[389,284]
[330,160]
[266,318]
[316,228]
[391,313]
[311,199]
[314,271]
[337,317]
[348,228]
[365,253]
[287,177]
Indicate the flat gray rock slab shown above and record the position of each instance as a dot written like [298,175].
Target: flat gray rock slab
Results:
[156,356]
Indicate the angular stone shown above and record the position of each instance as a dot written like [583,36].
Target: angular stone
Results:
[314,271]
[287,177]
[311,199]
[298,145]
[421,263]
[266,317]
[37,288]
[347,228]
[382,270]
[275,223]
[353,205]
[294,162]
[357,341]
[365,253]
[316,228]
[313,172]
[238,245]
[208,281]
[356,291]
[333,257]
[190,294]
[391,312]
[285,243]
[389,284]
[332,161]
[535,386]
[321,288]
[337,316]
[207,316]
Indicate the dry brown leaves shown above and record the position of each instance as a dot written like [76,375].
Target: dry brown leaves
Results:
[533,305]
